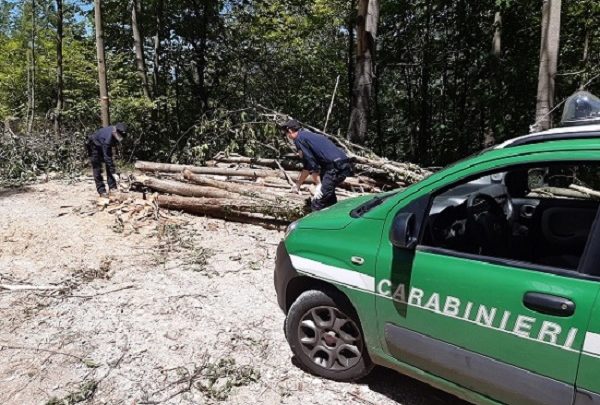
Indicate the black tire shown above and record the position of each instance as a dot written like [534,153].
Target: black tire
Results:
[320,350]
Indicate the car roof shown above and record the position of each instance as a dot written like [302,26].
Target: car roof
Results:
[555,134]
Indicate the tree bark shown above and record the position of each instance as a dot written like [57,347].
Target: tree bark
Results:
[33,67]
[548,63]
[103,82]
[366,35]
[351,25]
[497,40]
[230,210]
[422,142]
[138,41]
[215,171]
[157,49]
[256,192]
[272,163]
[59,69]
[183,189]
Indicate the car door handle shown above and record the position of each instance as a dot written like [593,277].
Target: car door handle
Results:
[359,261]
[549,304]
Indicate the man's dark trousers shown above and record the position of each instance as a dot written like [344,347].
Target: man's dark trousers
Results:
[97,158]
[331,177]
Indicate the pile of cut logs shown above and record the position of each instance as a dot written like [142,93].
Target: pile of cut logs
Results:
[257,191]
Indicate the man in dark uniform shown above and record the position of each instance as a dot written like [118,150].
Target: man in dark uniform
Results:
[319,153]
[99,146]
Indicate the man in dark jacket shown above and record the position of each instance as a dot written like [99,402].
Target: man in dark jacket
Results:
[319,154]
[99,146]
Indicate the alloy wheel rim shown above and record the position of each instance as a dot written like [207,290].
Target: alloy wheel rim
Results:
[330,339]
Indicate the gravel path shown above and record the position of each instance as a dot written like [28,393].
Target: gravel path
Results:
[174,314]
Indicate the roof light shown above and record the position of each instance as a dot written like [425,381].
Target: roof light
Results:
[582,108]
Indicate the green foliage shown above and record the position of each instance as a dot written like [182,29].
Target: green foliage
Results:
[219,378]
[439,93]
[23,158]
[86,392]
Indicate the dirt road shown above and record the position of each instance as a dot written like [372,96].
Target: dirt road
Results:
[177,314]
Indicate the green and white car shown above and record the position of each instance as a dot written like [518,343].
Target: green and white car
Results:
[482,280]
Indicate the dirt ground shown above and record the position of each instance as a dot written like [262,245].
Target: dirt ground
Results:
[183,313]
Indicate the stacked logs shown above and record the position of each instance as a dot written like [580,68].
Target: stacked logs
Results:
[249,190]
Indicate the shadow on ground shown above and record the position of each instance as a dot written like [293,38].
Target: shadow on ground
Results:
[406,390]
[8,192]
[402,389]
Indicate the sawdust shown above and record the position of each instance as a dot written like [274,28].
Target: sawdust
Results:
[181,310]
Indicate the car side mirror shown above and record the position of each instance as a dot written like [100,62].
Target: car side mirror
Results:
[402,234]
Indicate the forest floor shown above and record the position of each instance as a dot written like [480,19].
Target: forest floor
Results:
[185,313]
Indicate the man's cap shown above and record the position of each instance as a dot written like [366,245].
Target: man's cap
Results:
[291,124]
[121,127]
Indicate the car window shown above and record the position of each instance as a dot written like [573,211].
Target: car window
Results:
[572,182]
[537,214]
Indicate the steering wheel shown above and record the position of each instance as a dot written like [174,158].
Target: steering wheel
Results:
[487,224]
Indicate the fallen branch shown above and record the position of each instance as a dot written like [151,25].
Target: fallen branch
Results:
[30,287]
[127,287]
[37,349]
[585,190]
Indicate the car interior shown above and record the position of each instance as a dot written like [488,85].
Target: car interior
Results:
[531,214]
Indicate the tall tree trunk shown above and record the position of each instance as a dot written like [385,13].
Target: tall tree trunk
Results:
[366,35]
[104,100]
[138,41]
[585,58]
[200,51]
[351,24]
[548,63]
[59,69]
[157,49]
[33,68]
[497,40]
[422,142]
[29,93]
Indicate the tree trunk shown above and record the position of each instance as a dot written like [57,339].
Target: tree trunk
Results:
[497,40]
[103,82]
[231,210]
[349,183]
[59,69]
[183,189]
[366,35]
[272,163]
[422,153]
[548,63]
[200,54]
[33,68]
[351,24]
[215,171]
[157,50]
[138,41]
[256,192]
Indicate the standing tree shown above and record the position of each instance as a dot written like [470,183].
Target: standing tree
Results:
[548,64]
[104,101]
[138,40]
[157,49]
[32,70]
[366,36]
[59,68]
[497,40]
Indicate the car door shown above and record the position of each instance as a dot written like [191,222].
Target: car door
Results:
[588,384]
[509,329]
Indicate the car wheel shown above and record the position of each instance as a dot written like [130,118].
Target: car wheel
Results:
[325,335]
